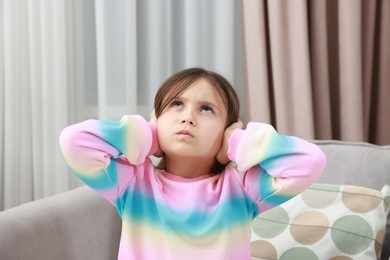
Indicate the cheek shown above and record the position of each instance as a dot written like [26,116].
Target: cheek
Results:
[162,138]
[215,138]
[162,129]
[165,128]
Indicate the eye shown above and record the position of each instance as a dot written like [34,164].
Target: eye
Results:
[207,109]
[177,104]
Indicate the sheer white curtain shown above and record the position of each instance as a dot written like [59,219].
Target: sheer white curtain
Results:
[36,65]
[65,61]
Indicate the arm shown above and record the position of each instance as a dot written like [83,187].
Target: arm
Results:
[283,165]
[100,151]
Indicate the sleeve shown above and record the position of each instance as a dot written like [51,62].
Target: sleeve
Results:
[105,154]
[272,167]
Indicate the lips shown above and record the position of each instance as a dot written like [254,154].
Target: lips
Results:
[184,133]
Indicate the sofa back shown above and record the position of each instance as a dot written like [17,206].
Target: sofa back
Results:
[356,163]
[74,225]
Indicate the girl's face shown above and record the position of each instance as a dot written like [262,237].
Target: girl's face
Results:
[193,124]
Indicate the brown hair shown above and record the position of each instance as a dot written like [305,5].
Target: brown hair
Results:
[181,80]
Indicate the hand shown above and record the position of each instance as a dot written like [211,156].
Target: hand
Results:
[222,156]
[153,119]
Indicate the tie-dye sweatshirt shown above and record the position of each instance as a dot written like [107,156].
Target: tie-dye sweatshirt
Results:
[165,216]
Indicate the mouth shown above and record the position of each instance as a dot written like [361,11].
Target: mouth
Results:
[184,133]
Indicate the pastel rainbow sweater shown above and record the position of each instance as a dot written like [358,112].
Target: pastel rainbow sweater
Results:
[169,217]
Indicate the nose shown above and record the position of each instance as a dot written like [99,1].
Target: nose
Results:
[188,118]
[187,121]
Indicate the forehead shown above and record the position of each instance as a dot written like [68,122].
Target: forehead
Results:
[203,89]
[200,85]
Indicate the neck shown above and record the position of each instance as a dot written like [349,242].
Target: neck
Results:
[188,167]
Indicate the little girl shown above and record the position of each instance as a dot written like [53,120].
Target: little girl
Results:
[213,179]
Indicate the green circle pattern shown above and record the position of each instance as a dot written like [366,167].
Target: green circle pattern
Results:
[387,201]
[299,253]
[351,234]
[271,223]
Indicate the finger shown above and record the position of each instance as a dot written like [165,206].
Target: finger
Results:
[153,117]
[237,124]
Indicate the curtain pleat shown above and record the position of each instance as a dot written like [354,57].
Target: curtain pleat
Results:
[2,100]
[258,98]
[37,137]
[381,131]
[320,71]
[291,67]
[16,125]
[368,49]
[350,70]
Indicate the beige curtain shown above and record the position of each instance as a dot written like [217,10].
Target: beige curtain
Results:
[319,69]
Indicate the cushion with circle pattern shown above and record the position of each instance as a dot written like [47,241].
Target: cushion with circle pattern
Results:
[326,221]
